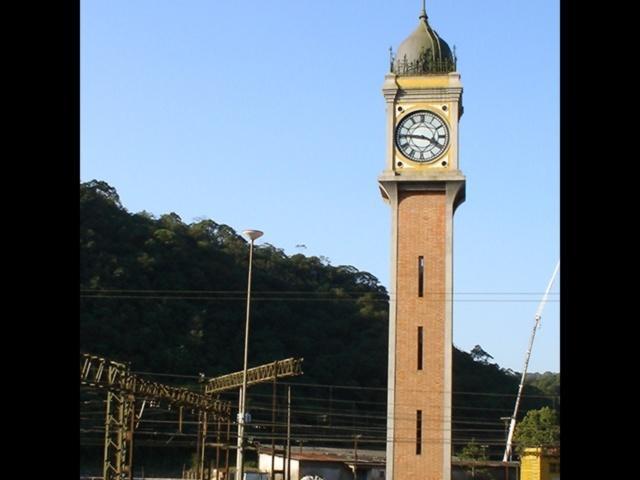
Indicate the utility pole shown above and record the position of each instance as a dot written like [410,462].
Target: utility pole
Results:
[273,428]
[218,441]
[330,405]
[288,432]
[355,456]
[203,441]
[506,421]
[507,451]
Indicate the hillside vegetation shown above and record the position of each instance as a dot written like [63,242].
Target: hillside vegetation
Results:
[169,297]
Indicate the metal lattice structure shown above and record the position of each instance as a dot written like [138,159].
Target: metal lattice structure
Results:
[100,372]
[118,436]
[97,372]
[123,390]
[264,373]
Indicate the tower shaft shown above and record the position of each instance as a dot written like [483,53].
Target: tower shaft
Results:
[423,185]
[420,328]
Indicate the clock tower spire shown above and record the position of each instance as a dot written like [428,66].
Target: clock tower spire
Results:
[423,184]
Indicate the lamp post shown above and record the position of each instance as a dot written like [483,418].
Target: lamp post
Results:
[355,455]
[252,235]
[506,421]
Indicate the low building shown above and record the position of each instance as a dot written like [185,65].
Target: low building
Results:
[340,464]
[484,470]
[540,464]
[326,463]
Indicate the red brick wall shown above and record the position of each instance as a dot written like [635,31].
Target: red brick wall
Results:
[421,232]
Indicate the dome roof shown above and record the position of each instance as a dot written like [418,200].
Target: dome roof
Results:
[423,52]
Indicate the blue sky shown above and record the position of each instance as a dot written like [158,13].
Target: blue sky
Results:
[270,115]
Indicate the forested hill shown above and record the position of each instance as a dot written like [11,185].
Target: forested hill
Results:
[169,296]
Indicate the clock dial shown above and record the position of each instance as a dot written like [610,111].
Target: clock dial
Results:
[422,136]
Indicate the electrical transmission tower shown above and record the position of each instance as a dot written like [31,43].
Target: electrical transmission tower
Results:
[124,388]
[269,372]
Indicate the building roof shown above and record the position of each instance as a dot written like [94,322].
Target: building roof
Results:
[423,52]
[365,457]
[325,454]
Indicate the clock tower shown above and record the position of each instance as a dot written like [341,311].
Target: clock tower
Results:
[423,185]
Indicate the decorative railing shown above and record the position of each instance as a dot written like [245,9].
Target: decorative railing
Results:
[425,64]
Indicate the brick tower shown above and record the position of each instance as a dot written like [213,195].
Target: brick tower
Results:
[423,185]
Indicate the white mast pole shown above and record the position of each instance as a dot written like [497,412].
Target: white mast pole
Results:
[512,424]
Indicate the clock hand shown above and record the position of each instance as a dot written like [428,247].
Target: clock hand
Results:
[415,136]
[422,137]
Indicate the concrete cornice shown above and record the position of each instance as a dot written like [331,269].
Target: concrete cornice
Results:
[447,94]
[454,183]
[422,88]
[427,176]
[390,87]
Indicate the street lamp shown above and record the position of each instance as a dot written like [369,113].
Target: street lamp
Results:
[252,235]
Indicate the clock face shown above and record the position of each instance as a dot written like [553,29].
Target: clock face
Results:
[422,136]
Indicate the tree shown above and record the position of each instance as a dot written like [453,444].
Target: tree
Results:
[474,452]
[169,297]
[548,382]
[101,188]
[479,355]
[539,428]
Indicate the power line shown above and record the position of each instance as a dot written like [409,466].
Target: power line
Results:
[360,388]
[306,292]
[284,299]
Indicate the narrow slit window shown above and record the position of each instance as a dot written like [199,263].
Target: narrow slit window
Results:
[418,432]
[420,333]
[420,276]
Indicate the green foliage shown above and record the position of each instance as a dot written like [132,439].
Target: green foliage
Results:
[170,297]
[539,428]
[479,355]
[485,392]
[547,382]
[473,451]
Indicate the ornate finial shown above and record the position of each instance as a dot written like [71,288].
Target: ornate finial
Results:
[423,13]
[390,59]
